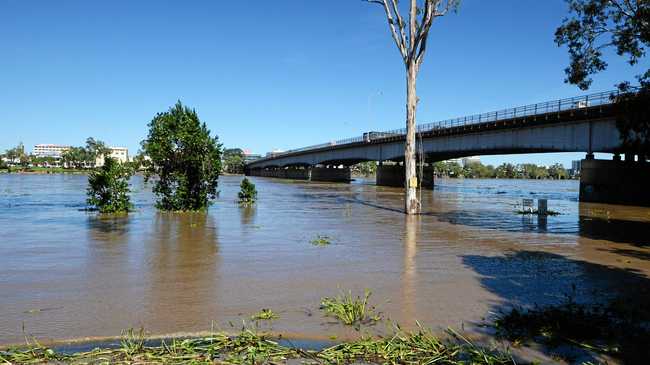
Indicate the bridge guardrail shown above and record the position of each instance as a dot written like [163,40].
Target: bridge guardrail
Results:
[560,105]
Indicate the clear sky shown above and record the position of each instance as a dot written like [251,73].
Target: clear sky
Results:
[266,74]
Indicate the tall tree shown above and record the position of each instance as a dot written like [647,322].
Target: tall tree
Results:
[411,40]
[186,159]
[596,25]
[94,149]
[233,159]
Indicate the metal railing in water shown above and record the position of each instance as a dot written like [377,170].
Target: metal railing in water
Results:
[575,103]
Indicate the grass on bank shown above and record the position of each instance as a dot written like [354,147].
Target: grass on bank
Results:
[251,347]
[350,310]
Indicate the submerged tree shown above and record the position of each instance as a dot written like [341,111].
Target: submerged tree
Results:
[186,159]
[411,40]
[248,192]
[108,187]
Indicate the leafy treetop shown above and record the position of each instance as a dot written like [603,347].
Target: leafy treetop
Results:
[186,159]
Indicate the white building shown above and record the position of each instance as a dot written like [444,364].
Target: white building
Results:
[274,153]
[470,160]
[49,150]
[121,154]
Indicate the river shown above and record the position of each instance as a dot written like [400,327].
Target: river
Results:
[66,273]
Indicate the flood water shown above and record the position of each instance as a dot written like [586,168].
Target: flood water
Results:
[66,273]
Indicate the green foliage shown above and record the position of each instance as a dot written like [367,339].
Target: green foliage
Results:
[108,187]
[264,315]
[350,310]
[252,348]
[233,160]
[477,170]
[367,168]
[186,159]
[448,168]
[247,193]
[17,155]
[558,172]
[85,156]
[321,240]
[599,24]
[633,120]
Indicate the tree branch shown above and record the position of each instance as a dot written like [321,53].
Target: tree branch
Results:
[401,46]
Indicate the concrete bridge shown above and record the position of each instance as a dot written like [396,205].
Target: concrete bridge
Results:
[580,124]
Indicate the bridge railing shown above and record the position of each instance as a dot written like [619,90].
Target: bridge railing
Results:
[574,103]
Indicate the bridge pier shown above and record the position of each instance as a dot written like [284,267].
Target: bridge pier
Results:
[616,182]
[394,175]
[331,174]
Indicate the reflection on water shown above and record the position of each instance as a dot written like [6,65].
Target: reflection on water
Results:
[68,273]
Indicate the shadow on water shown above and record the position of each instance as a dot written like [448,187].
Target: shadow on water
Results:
[526,279]
[116,225]
[247,213]
[504,221]
[369,204]
[632,232]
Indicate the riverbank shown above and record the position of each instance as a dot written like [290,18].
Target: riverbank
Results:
[253,347]
[45,170]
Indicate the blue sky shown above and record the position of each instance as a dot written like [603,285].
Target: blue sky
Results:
[266,74]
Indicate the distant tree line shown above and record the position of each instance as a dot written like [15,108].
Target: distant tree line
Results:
[476,170]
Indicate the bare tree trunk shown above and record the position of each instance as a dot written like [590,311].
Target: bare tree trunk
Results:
[412,205]
[412,48]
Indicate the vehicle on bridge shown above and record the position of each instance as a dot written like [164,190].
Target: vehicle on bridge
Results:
[372,136]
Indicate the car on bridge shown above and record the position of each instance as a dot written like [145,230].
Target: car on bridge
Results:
[372,136]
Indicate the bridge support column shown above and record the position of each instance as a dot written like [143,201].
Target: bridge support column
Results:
[331,174]
[615,182]
[390,175]
[394,175]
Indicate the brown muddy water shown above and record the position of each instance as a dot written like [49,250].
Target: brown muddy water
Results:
[66,273]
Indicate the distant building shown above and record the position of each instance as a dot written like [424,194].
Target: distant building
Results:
[470,160]
[249,156]
[455,160]
[576,166]
[49,150]
[121,154]
[274,153]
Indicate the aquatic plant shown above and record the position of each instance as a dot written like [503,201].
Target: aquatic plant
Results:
[108,187]
[264,315]
[251,347]
[321,240]
[247,193]
[350,310]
